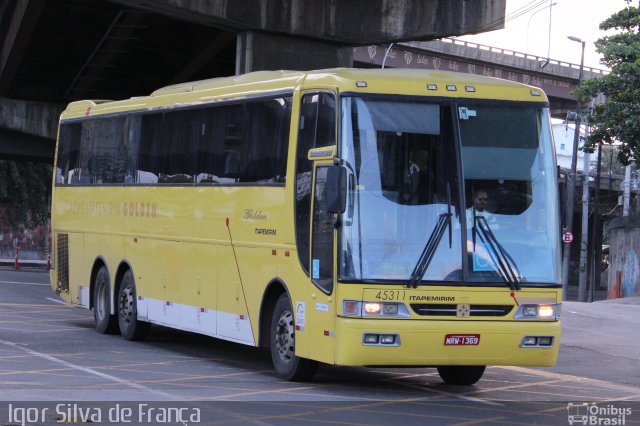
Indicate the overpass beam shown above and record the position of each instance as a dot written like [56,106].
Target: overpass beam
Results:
[356,22]
[263,51]
[18,32]
[33,118]
[20,146]
[28,130]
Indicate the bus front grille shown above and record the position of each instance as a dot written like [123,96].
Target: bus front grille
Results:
[446,310]
[63,262]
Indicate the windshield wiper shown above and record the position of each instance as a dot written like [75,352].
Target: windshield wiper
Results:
[506,264]
[444,221]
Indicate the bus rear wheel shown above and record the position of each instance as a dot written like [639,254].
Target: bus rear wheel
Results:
[463,375]
[104,322]
[288,366]
[130,327]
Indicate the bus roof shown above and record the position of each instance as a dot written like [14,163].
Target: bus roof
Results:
[382,81]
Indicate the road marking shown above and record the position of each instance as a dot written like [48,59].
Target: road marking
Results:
[253,393]
[89,371]
[62,302]
[585,315]
[480,421]
[569,378]
[20,282]
[441,393]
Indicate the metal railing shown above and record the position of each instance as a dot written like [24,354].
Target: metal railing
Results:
[523,55]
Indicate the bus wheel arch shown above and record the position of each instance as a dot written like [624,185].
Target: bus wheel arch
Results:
[274,290]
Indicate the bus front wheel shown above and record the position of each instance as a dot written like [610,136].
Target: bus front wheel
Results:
[282,342]
[464,375]
[130,327]
[105,322]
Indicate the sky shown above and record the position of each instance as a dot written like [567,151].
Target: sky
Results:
[529,33]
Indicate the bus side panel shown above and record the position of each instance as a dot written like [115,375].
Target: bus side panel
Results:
[258,267]
[232,318]
[157,267]
[199,288]
[91,253]
[77,276]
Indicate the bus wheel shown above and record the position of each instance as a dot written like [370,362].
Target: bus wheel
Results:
[130,327]
[105,322]
[288,366]
[464,375]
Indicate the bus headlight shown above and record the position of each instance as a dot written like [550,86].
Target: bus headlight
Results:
[546,311]
[358,308]
[372,308]
[538,312]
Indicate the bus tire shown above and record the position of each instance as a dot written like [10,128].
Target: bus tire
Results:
[461,375]
[288,366]
[130,327]
[105,323]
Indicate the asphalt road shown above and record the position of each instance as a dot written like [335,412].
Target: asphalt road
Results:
[50,352]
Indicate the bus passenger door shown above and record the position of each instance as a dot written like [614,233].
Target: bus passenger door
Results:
[320,309]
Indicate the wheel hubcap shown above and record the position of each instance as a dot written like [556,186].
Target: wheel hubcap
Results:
[127,305]
[101,301]
[284,336]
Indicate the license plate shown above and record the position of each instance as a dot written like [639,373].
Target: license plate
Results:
[461,339]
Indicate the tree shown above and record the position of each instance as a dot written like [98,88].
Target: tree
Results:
[25,189]
[618,118]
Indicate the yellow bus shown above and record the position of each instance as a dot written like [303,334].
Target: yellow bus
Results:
[343,216]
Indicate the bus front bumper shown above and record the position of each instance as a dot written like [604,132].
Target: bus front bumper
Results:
[433,343]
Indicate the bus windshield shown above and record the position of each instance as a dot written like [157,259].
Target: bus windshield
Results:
[406,172]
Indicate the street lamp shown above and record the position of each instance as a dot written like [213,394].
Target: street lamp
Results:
[526,48]
[571,182]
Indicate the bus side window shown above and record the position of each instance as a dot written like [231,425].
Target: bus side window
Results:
[220,144]
[103,151]
[149,150]
[68,150]
[181,132]
[317,128]
[264,152]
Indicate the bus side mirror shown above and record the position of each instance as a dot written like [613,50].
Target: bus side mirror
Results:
[336,190]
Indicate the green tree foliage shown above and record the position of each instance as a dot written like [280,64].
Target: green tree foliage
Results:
[618,118]
[25,189]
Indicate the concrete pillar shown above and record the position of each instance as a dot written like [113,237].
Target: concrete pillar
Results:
[259,51]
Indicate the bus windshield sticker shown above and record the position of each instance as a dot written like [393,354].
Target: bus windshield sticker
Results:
[316,269]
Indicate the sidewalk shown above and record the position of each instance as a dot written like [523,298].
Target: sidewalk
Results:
[624,300]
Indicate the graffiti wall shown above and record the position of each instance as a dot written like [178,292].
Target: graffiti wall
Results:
[624,257]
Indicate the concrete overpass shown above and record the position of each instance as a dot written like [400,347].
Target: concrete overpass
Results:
[56,51]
